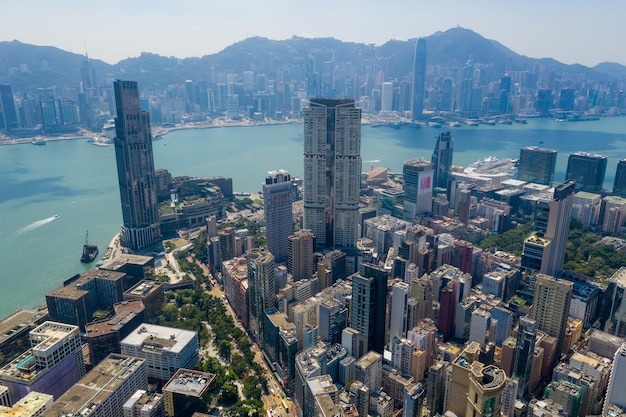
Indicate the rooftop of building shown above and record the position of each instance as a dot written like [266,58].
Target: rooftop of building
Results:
[587,195]
[125,258]
[369,359]
[30,404]
[72,287]
[153,337]
[614,200]
[19,321]
[322,384]
[145,400]
[95,387]
[189,382]
[50,333]
[145,288]
[127,311]
[326,405]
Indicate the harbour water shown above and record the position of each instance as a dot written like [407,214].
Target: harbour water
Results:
[78,181]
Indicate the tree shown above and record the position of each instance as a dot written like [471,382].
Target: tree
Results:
[229,394]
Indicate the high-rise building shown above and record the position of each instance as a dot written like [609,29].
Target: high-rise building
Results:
[397,317]
[135,168]
[587,170]
[442,160]
[105,389]
[387,97]
[261,287]
[550,309]
[619,185]
[615,393]
[419,79]
[544,250]
[536,165]
[369,299]
[278,213]
[524,348]
[165,349]
[418,187]
[300,254]
[8,112]
[332,172]
[413,400]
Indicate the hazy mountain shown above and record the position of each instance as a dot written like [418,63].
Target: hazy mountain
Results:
[49,66]
[612,69]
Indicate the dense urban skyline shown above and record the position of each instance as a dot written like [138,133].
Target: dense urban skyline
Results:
[196,29]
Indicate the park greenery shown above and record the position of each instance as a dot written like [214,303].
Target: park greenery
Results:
[584,254]
[198,310]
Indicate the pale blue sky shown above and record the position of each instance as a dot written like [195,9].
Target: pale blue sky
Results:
[573,31]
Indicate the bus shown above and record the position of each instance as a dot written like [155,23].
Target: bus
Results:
[285,405]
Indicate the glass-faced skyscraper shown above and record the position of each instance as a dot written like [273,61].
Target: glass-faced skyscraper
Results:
[419,79]
[619,185]
[536,165]
[587,170]
[135,168]
[278,212]
[442,160]
[332,172]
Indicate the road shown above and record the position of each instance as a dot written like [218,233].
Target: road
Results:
[269,401]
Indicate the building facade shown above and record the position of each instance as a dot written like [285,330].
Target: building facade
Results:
[418,188]
[135,168]
[587,170]
[442,160]
[332,172]
[536,165]
[278,212]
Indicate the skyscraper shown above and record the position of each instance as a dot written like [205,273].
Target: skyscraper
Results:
[544,250]
[550,308]
[278,213]
[442,160]
[8,113]
[524,349]
[135,168]
[419,79]
[300,254]
[332,172]
[587,170]
[418,188]
[615,393]
[261,288]
[369,299]
[619,185]
[536,165]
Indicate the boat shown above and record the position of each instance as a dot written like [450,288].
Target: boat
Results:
[38,142]
[56,216]
[90,251]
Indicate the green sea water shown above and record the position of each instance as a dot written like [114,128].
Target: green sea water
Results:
[78,181]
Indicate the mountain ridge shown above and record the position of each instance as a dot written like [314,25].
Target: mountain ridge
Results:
[49,65]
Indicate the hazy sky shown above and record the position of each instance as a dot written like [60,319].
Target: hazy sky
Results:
[571,31]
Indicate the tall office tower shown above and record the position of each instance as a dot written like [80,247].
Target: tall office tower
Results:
[619,185]
[397,317]
[442,160]
[436,387]
[261,288]
[524,348]
[418,188]
[615,393]
[419,79]
[278,213]
[587,170]
[300,255]
[135,168]
[544,250]
[551,307]
[387,97]
[369,370]
[536,165]
[8,113]
[486,386]
[332,172]
[369,301]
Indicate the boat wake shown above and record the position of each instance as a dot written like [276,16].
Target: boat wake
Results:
[372,160]
[35,225]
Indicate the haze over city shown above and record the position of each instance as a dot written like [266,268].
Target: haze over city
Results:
[571,32]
